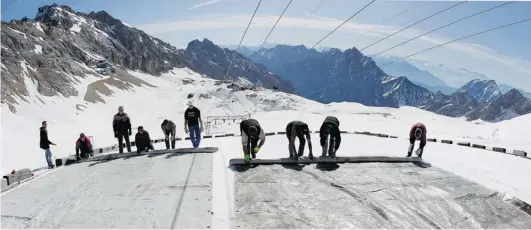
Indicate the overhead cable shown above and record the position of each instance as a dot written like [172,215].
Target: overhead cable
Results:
[424,19]
[275,24]
[343,23]
[449,24]
[232,59]
[318,6]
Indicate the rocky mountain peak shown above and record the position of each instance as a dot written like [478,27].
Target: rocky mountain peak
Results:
[514,94]
[56,15]
[482,90]
[205,44]
[105,17]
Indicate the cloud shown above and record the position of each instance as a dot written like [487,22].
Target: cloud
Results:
[204,4]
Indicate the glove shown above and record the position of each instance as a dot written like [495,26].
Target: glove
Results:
[255,150]
[130,133]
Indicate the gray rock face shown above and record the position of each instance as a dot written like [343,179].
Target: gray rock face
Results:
[55,48]
[482,90]
[509,105]
[460,104]
[455,105]
[405,92]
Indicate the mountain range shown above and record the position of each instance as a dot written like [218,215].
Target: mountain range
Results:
[60,47]
[351,76]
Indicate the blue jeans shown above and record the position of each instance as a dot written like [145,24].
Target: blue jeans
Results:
[48,155]
[195,135]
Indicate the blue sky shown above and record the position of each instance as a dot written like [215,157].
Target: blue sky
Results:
[503,54]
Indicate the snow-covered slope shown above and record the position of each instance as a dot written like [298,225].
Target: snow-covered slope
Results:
[146,98]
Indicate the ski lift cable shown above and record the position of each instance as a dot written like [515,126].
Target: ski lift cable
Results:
[289,3]
[428,49]
[402,12]
[424,19]
[343,23]
[248,25]
[318,6]
[449,24]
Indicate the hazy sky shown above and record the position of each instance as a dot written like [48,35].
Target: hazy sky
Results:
[504,55]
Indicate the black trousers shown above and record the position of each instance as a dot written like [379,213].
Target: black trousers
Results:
[328,143]
[121,137]
[84,153]
[167,141]
[412,146]
[171,137]
[302,142]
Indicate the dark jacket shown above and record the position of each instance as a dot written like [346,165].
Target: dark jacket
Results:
[143,141]
[331,119]
[121,123]
[297,128]
[422,127]
[331,126]
[166,131]
[44,142]
[83,146]
[244,127]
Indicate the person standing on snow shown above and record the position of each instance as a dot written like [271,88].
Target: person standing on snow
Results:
[417,132]
[192,120]
[45,144]
[168,127]
[143,141]
[84,145]
[298,129]
[330,131]
[121,125]
[251,133]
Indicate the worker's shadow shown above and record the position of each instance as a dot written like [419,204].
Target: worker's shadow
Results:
[422,164]
[296,167]
[100,162]
[242,168]
[327,166]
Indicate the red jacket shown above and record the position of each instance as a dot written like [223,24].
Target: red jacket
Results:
[422,127]
[87,140]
